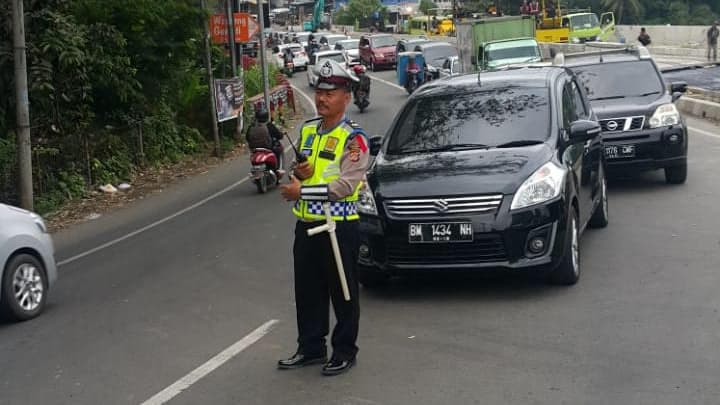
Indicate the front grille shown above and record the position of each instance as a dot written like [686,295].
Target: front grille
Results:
[443,206]
[486,248]
[622,124]
[636,123]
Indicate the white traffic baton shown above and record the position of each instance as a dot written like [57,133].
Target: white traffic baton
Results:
[329,227]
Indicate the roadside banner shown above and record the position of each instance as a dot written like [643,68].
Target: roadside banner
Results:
[245,28]
[229,98]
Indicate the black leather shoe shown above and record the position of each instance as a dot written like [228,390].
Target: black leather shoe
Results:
[337,366]
[300,360]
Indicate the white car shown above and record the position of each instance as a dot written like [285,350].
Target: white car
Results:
[329,40]
[351,47]
[318,57]
[300,58]
[301,37]
[27,263]
[450,67]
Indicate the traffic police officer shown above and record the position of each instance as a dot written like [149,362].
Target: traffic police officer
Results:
[337,158]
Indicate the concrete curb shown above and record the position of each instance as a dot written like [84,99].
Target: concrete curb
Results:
[699,108]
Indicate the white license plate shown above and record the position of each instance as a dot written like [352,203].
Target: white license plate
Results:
[452,232]
[619,151]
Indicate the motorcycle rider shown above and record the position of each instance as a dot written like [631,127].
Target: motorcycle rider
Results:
[312,46]
[288,57]
[364,81]
[264,134]
[412,66]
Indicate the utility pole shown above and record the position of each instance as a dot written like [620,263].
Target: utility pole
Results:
[22,105]
[231,35]
[211,82]
[266,82]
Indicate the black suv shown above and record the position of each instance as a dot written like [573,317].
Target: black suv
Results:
[641,127]
[503,170]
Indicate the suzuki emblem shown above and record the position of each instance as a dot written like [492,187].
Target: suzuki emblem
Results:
[441,205]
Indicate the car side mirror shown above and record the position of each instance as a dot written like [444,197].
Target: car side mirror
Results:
[276,50]
[375,144]
[584,130]
[678,87]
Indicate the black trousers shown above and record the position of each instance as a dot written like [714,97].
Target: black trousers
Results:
[317,284]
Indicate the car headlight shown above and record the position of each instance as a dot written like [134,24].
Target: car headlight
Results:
[575,40]
[366,201]
[543,185]
[664,116]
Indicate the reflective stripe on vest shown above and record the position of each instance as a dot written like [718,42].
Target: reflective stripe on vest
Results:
[324,151]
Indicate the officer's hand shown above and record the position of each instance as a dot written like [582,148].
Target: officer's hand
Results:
[291,192]
[304,170]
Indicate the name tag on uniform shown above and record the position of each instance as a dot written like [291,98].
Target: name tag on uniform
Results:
[309,141]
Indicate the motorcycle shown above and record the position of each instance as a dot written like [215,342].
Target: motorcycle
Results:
[413,80]
[361,99]
[266,171]
[410,73]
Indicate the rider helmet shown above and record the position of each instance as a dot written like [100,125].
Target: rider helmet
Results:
[262,115]
[359,69]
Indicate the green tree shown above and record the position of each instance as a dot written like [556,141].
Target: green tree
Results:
[362,9]
[425,6]
[621,7]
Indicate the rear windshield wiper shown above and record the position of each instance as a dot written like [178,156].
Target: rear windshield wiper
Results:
[606,98]
[525,142]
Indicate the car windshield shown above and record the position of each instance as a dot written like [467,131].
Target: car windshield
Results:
[332,40]
[584,21]
[435,55]
[349,44]
[383,41]
[486,118]
[337,58]
[602,80]
[527,52]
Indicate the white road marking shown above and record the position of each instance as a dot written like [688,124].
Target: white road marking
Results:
[152,225]
[386,82]
[221,358]
[158,222]
[703,132]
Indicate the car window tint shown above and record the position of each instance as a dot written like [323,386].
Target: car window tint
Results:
[489,117]
[602,80]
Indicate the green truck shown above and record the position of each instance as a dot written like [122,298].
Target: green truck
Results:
[491,43]
[585,27]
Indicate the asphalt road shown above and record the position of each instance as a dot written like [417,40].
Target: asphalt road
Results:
[128,321]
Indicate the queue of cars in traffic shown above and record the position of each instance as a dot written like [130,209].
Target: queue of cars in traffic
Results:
[497,169]
[505,168]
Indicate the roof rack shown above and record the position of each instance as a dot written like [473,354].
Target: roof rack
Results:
[606,48]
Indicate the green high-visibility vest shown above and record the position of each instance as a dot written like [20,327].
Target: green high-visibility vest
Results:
[324,152]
